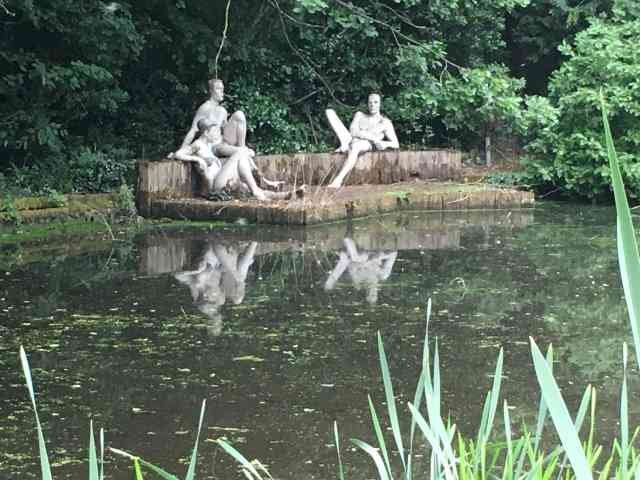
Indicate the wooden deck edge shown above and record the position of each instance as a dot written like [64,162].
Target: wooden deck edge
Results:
[308,213]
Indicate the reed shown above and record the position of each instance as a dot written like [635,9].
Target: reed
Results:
[96,469]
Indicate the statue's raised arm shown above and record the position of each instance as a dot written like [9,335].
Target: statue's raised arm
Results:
[367,131]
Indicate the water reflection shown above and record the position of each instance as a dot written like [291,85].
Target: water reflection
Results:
[220,276]
[367,269]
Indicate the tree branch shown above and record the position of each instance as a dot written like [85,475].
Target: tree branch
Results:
[302,57]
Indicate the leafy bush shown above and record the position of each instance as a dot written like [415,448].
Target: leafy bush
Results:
[124,202]
[56,198]
[480,103]
[8,211]
[565,139]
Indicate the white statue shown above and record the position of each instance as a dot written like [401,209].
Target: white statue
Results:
[234,128]
[372,131]
[227,168]
[366,269]
[221,275]
[220,152]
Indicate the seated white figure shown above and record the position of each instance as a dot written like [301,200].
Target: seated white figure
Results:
[368,131]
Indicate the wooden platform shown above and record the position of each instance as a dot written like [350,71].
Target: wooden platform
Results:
[322,204]
[381,182]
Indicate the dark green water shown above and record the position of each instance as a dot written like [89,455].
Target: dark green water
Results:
[276,329]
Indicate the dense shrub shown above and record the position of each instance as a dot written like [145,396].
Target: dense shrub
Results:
[565,139]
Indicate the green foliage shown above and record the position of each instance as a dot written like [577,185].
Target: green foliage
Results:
[62,89]
[124,202]
[89,86]
[9,212]
[56,198]
[565,146]
[481,100]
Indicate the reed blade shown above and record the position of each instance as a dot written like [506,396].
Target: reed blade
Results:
[137,469]
[101,454]
[93,456]
[154,468]
[624,415]
[626,238]
[191,471]
[391,401]
[542,409]
[373,453]
[440,457]
[45,468]
[379,436]
[337,439]
[239,458]
[560,415]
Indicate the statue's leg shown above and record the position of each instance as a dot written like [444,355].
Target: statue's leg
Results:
[207,175]
[228,173]
[238,167]
[235,130]
[355,149]
[339,129]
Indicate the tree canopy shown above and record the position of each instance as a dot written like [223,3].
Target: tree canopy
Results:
[88,87]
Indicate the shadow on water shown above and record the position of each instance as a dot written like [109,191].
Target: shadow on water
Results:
[276,329]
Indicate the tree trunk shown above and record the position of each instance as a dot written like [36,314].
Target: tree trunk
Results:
[487,149]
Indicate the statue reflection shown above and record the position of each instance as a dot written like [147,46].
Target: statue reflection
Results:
[220,276]
[366,269]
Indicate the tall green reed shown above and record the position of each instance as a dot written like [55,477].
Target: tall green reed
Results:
[138,462]
[96,469]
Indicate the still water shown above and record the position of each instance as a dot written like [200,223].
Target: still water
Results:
[276,329]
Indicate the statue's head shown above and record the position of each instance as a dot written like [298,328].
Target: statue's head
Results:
[216,89]
[210,130]
[214,318]
[373,103]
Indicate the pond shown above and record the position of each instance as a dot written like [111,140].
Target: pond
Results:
[276,329]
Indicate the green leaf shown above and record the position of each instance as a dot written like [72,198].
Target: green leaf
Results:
[379,436]
[194,455]
[136,467]
[45,468]
[246,464]
[391,401]
[337,438]
[560,415]
[93,457]
[373,453]
[627,245]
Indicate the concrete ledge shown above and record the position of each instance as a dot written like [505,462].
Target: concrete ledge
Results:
[326,205]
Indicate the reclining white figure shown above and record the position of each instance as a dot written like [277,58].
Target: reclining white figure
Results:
[372,131]
[226,168]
